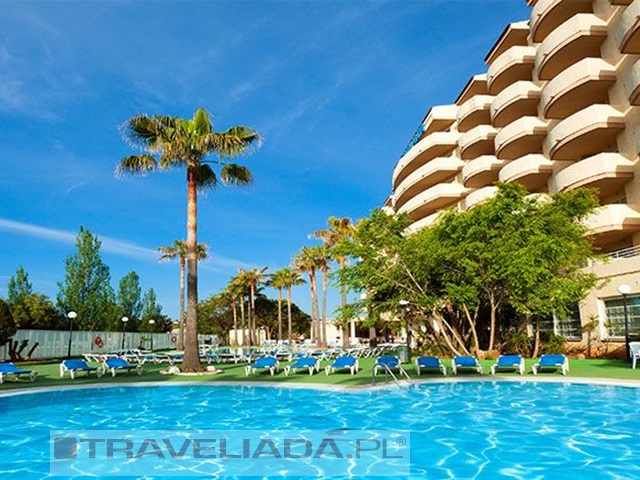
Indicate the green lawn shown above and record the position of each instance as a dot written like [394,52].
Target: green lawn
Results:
[48,374]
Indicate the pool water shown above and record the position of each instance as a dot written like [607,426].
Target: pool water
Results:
[470,430]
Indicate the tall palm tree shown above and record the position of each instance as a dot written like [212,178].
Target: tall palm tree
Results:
[179,250]
[238,282]
[340,230]
[290,278]
[277,280]
[233,292]
[307,262]
[253,278]
[323,260]
[170,142]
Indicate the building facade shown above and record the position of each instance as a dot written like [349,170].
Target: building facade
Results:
[557,108]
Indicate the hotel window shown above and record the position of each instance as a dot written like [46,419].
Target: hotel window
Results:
[570,327]
[614,310]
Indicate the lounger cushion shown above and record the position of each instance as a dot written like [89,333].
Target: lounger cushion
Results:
[509,360]
[429,362]
[10,368]
[344,362]
[118,363]
[466,361]
[305,362]
[391,362]
[552,360]
[77,365]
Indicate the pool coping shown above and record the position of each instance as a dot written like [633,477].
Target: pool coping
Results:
[328,387]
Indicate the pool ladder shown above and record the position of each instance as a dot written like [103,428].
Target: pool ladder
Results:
[389,373]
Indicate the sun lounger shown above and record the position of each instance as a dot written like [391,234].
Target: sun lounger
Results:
[9,369]
[73,366]
[466,363]
[388,363]
[115,364]
[308,363]
[341,363]
[552,362]
[429,364]
[509,362]
[263,363]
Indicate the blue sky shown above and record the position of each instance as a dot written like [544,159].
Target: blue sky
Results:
[336,88]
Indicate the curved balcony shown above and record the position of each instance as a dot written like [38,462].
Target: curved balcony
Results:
[516,34]
[577,38]
[477,141]
[439,118]
[531,171]
[517,100]
[583,84]
[477,85]
[420,224]
[628,29]
[587,132]
[433,199]
[513,65]
[482,171]
[520,138]
[608,172]
[632,84]
[613,223]
[435,171]
[547,15]
[435,145]
[479,195]
[474,112]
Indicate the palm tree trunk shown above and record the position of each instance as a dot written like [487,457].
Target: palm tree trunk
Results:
[235,322]
[280,314]
[181,315]
[191,361]
[243,320]
[314,305]
[253,316]
[324,307]
[343,301]
[290,328]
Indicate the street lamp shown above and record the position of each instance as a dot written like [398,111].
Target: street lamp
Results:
[124,329]
[152,323]
[625,290]
[71,315]
[405,305]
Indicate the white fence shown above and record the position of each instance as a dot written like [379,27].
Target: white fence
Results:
[55,343]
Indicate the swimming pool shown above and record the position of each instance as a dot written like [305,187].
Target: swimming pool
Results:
[480,430]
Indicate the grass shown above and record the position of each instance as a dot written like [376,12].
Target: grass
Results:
[48,374]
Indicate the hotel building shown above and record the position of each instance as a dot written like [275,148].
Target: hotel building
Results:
[557,108]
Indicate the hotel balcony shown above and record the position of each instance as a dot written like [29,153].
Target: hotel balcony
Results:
[433,199]
[474,112]
[547,15]
[579,37]
[477,85]
[522,137]
[590,131]
[437,144]
[420,224]
[439,119]
[513,65]
[632,84]
[516,34]
[628,29]
[478,196]
[435,171]
[612,223]
[482,171]
[477,141]
[608,172]
[531,171]
[582,84]
[517,100]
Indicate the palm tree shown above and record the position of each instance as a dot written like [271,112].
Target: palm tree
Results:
[307,262]
[253,278]
[232,291]
[340,230]
[170,142]
[290,278]
[179,250]
[277,280]
[238,282]
[323,259]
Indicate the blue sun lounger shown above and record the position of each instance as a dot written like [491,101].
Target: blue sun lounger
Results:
[429,364]
[73,366]
[388,363]
[263,363]
[552,362]
[115,364]
[342,363]
[465,362]
[509,362]
[306,363]
[9,369]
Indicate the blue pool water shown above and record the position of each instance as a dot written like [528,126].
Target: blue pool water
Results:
[476,430]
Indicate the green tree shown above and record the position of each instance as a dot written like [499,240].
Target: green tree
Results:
[19,287]
[151,310]
[7,325]
[36,311]
[87,286]
[170,142]
[129,302]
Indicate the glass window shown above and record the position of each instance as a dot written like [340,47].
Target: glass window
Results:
[614,310]
[571,326]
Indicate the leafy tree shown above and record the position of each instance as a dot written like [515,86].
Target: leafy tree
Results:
[170,142]
[129,302]
[36,311]
[7,325]
[19,287]
[151,310]
[87,286]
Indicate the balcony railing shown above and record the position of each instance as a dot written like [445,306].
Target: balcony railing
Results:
[415,139]
[625,253]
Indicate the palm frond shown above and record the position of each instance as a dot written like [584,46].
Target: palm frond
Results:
[202,122]
[207,179]
[137,164]
[233,142]
[234,174]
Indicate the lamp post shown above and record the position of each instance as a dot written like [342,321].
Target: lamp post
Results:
[152,322]
[124,329]
[71,315]
[625,290]
[405,305]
